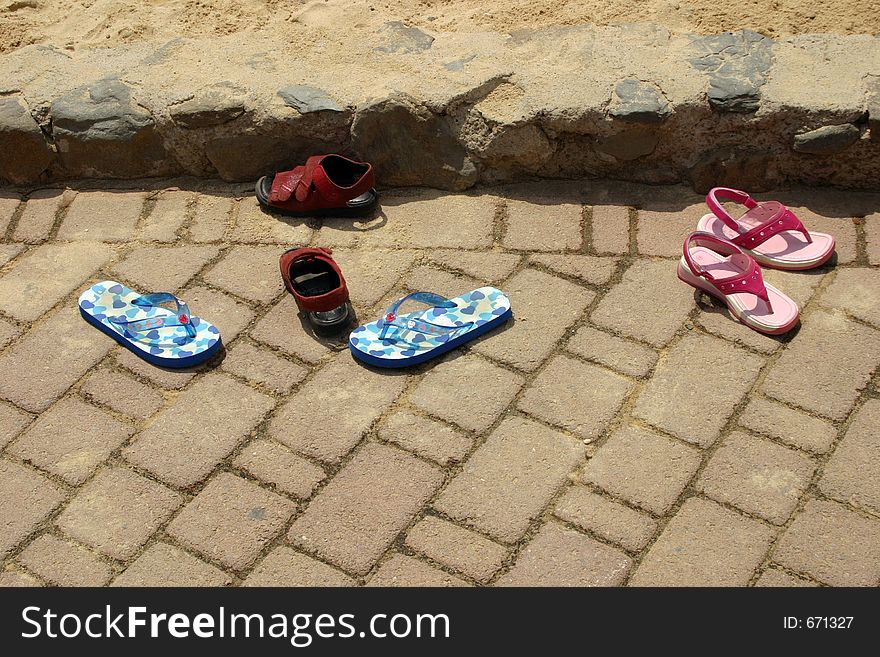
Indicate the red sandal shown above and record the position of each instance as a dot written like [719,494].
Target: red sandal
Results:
[328,185]
[318,286]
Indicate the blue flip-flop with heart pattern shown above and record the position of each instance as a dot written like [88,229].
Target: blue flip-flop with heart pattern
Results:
[402,340]
[157,327]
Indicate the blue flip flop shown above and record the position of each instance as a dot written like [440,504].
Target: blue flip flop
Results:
[157,327]
[412,338]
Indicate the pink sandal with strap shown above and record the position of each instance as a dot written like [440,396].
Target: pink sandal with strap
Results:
[769,232]
[724,270]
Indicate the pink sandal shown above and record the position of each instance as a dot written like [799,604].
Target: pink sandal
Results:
[725,271]
[769,232]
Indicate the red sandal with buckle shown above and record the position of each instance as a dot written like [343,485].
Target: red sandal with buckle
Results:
[318,286]
[328,185]
[724,270]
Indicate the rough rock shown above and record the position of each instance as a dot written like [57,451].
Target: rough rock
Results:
[639,102]
[100,131]
[737,64]
[755,171]
[27,153]
[306,99]
[421,149]
[397,37]
[629,144]
[828,139]
[873,95]
[215,105]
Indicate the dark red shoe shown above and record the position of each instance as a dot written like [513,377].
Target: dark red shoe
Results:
[328,185]
[318,286]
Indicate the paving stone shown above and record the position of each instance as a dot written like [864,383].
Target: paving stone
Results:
[457,548]
[41,278]
[117,511]
[485,496]
[589,269]
[38,217]
[584,409]
[250,272]
[661,231]
[609,350]
[544,307]
[401,570]
[187,440]
[167,378]
[154,269]
[856,291]
[33,381]
[490,389]
[757,476]
[168,215]
[286,567]
[438,281]
[562,557]
[843,229]
[656,303]
[123,394]
[277,465]
[872,238]
[8,332]
[704,545]
[9,251]
[452,221]
[302,424]
[716,319]
[283,328]
[830,391]
[9,203]
[224,312]
[210,217]
[833,544]
[610,229]
[162,564]
[371,274]
[799,285]
[338,231]
[12,421]
[612,521]
[793,427]
[695,389]
[542,226]
[853,471]
[63,563]
[71,439]
[231,520]
[26,499]
[428,438]
[254,225]
[365,506]
[643,468]
[490,266]
[779,578]
[10,578]
[263,367]
[106,216]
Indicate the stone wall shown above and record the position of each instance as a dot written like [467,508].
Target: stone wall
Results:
[451,110]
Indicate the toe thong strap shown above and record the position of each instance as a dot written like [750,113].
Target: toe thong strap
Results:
[784,220]
[429,298]
[179,315]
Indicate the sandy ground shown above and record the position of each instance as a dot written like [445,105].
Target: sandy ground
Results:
[96,23]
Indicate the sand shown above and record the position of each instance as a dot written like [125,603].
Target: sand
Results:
[100,23]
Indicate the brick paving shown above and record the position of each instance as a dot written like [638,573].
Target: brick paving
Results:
[622,430]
